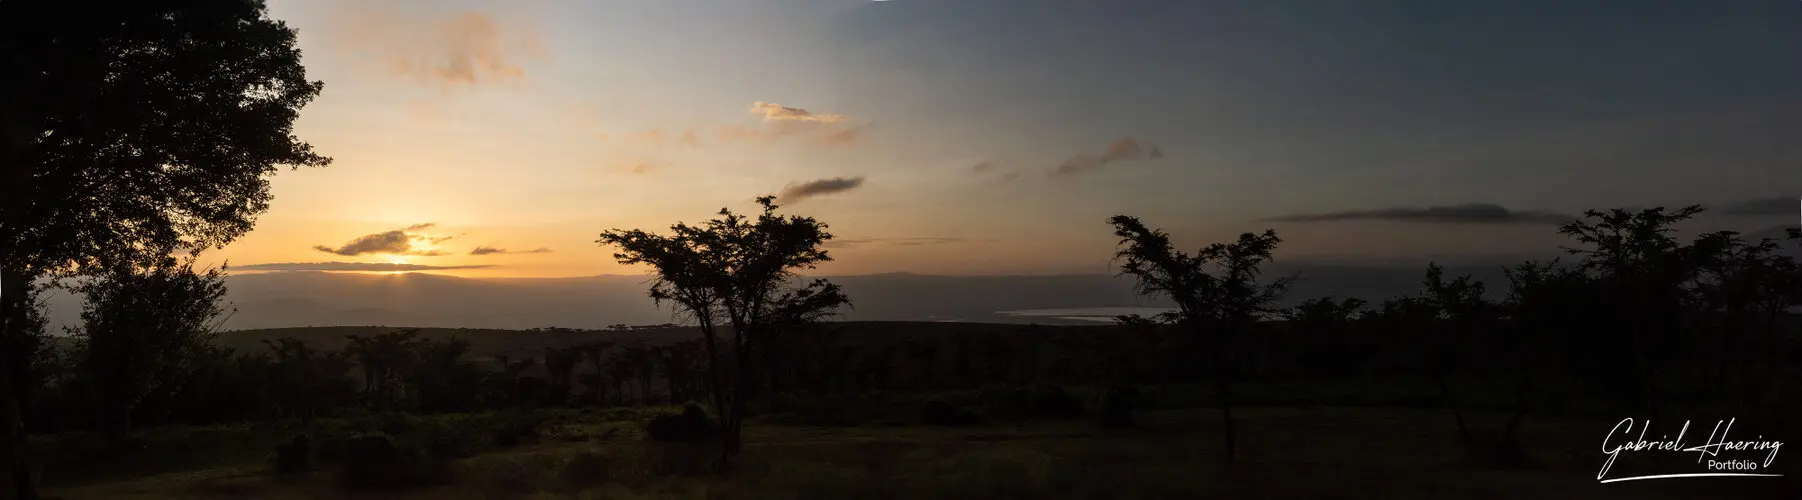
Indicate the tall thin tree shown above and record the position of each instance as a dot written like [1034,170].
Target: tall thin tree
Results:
[1216,291]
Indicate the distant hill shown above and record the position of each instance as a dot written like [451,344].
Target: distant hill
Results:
[486,343]
[296,299]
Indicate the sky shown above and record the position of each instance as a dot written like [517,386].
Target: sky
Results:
[499,138]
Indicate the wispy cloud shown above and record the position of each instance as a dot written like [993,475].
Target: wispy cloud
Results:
[777,112]
[639,166]
[652,137]
[408,241]
[800,191]
[486,250]
[737,133]
[349,266]
[468,48]
[982,167]
[844,137]
[1469,213]
[1119,150]
[1775,205]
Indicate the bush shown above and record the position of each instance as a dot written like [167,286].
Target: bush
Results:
[1055,402]
[1117,405]
[294,456]
[691,425]
[586,470]
[513,428]
[940,413]
[374,463]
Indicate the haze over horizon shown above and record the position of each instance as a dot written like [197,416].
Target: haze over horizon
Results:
[496,139]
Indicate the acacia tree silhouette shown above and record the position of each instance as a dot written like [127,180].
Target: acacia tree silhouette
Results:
[1646,278]
[740,271]
[1225,304]
[143,125]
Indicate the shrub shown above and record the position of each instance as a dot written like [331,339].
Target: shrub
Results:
[395,425]
[373,462]
[691,425]
[1055,402]
[513,428]
[940,413]
[586,470]
[1117,405]
[294,456]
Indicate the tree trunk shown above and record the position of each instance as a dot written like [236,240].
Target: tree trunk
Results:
[1223,377]
[15,470]
[116,424]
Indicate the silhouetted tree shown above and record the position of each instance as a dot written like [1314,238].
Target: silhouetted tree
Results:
[1225,303]
[678,361]
[308,382]
[142,329]
[1548,304]
[137,125]
[1330,347]
[443,376]
[386,359]
[1644,273]
[740,271]
[1457,311]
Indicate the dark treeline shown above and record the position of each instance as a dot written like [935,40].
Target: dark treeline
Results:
[1635,321]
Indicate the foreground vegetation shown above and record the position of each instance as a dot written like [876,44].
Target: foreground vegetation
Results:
[1321,452]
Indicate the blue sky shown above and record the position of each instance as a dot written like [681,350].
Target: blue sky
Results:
[541,123]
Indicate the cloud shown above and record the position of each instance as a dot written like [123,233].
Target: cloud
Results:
[1010,176]
[982,168]
[484,250]
[777,112]
[348,266]
[1775,205]
[896,242]
[1119,150]
[780,122]
[1469,213]
[733,133]
[467,48]
[639,166]
[689,140]
[844,137]
[652,137]
[406,241]
[797,192]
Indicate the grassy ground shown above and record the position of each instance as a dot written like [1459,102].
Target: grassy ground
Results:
[1332,452]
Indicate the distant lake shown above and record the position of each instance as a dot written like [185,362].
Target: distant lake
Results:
[1096,314]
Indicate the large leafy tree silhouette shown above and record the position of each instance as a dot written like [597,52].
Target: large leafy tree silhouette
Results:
[146,125]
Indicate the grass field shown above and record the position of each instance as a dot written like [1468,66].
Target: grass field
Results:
[1284,453]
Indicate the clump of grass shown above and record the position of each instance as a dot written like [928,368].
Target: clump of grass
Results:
[944,414]
[373,462]
[691,425]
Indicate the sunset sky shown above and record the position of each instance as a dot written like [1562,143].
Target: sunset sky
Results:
[996,136]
